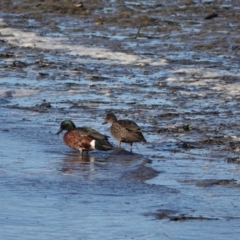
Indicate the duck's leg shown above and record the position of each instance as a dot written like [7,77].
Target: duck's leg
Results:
[131,144]
[119,144]
[81,152]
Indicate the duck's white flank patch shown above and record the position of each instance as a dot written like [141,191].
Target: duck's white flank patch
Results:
[92,143]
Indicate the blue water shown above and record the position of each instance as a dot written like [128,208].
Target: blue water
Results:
[48,191]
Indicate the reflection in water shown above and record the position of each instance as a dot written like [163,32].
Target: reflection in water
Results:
[86,158]
[76,163]
[111,165]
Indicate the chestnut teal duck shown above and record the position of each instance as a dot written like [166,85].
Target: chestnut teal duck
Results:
[83,138]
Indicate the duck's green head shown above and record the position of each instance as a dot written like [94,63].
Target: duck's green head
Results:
[66,125]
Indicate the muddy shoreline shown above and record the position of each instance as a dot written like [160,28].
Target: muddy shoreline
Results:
[173,67]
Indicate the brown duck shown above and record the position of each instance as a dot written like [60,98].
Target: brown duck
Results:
[83,138]
[125,130]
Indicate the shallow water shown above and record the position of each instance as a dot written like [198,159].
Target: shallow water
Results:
[178,79]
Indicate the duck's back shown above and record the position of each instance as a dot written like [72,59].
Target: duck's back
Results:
[87,131]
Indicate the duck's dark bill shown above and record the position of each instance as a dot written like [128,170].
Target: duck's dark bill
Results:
[59,131]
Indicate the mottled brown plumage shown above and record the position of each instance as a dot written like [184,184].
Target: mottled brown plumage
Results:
[83,138]
[125,131]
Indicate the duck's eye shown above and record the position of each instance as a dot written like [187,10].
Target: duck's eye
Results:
[64,125]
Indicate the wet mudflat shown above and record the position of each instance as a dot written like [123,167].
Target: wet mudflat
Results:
[173,67]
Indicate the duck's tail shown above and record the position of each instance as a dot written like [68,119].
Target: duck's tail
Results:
[103,145]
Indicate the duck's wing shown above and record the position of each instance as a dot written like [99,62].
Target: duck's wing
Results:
[129,125]
[87,131]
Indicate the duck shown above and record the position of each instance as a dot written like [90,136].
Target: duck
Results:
[83,139]
[126,131]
